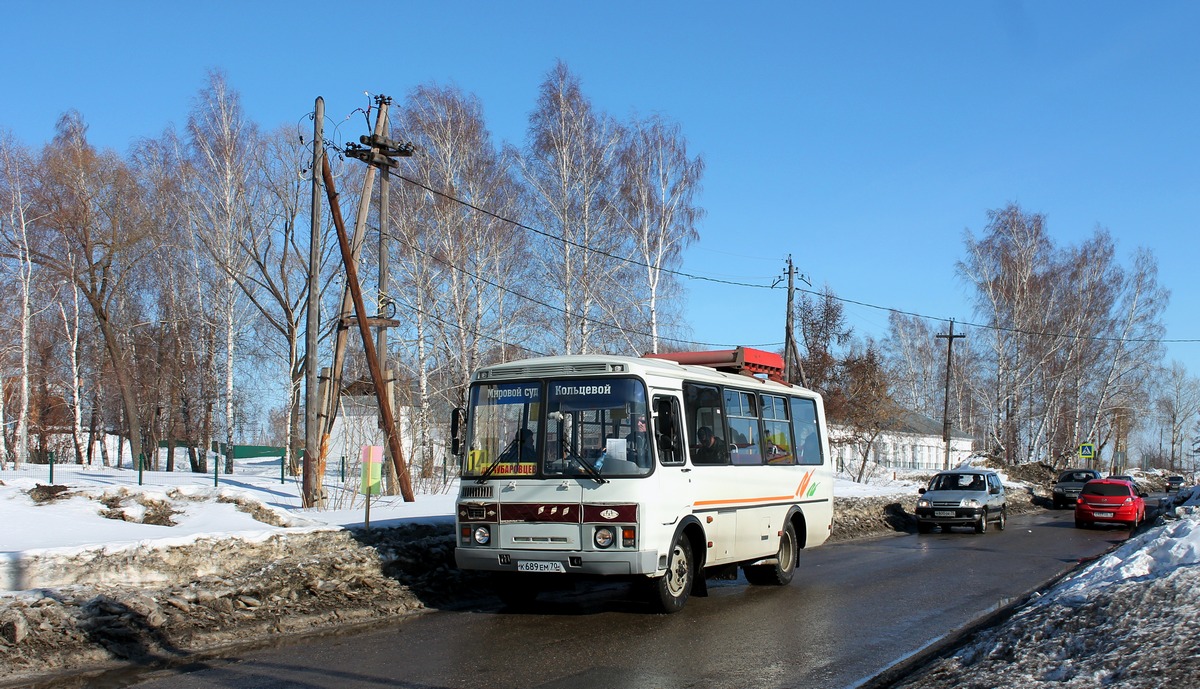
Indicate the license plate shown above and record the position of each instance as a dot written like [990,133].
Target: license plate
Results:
[943,513]
[539,566]
[1103,514]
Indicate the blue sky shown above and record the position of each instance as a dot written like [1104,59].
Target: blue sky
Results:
[861,138]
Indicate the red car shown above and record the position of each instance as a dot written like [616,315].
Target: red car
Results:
[1109,500]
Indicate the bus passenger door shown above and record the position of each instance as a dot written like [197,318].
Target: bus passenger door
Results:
[674,495]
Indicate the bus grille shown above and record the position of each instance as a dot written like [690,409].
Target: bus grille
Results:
[484,492]
[547,370]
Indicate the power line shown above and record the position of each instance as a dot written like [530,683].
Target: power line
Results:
[552,307]
[585,247]
[691,276]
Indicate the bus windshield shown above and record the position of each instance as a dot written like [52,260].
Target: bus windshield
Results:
[588,428]
[505,427]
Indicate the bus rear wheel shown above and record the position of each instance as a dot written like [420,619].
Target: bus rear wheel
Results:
[780,573]
[671,590]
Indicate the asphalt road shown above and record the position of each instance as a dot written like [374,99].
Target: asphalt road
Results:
[853,610]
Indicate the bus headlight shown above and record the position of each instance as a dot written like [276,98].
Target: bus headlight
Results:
[604,537]
[482,535]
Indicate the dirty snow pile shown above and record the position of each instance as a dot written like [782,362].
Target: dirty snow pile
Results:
[100,574]
[1130,619]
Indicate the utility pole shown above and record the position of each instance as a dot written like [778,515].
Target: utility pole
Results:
[791,355]
[380,152]
[311,485]
[946,402]
[364,329]
[331,389]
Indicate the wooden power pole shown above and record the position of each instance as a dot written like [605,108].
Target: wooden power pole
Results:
[791,354]
[946,402]
[311,484]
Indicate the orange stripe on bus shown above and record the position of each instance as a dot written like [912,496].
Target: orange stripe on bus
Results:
[774,498]
[738,501]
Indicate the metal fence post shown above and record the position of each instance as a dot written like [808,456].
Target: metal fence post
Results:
[141,460]
[282,465]
[217,468]
[52,467]
[343,472]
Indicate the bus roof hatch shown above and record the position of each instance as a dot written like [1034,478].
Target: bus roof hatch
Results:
[744,360]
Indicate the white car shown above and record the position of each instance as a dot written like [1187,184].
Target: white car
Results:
[962,497]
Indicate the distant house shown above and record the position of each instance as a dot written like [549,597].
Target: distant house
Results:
[913,442]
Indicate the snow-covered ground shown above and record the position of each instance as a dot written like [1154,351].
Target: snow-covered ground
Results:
[1115,610]
[86,519]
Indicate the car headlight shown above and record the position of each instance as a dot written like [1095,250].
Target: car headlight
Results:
[482,535]
[970,502]
[604,537]
[923,503]
[1058,489]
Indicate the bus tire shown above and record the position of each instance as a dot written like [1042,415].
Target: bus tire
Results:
[780,573]
[671,590]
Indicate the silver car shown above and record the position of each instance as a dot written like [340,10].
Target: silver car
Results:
[962,497]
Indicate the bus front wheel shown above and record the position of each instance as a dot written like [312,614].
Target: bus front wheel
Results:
[671,589]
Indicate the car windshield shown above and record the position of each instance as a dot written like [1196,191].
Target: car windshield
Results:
[958,482]
[1106,489]
[1076,477]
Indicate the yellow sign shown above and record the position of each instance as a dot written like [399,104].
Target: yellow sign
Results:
[1087,450]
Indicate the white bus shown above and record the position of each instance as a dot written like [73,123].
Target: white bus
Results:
[669,468]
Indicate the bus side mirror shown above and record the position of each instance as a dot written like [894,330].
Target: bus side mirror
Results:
[455,423]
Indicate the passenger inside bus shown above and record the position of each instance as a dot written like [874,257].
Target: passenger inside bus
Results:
[637,443]
[710,450]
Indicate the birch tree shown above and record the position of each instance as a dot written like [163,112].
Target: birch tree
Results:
[219,137]
[656,206]
[462,271]
[568,165]
[16,165]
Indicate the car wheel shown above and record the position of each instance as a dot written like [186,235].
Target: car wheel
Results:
[780,573]
[981,525]
[671,589]
[1003,521]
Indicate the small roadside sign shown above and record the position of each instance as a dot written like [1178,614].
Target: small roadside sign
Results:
[1087,450]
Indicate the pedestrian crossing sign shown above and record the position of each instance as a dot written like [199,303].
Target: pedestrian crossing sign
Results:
[1087,450]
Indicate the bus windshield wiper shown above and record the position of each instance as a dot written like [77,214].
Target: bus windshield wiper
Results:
[587,468]
[509,452]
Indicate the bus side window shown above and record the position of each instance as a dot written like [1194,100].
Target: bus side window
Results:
[742,414]
[705,421]
[666,430]
[804,419]
[777,431]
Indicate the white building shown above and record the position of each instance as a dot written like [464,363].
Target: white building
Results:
[914,443]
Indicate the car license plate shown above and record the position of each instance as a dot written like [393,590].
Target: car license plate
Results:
[943,513]
[538,566]
[1103,514]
